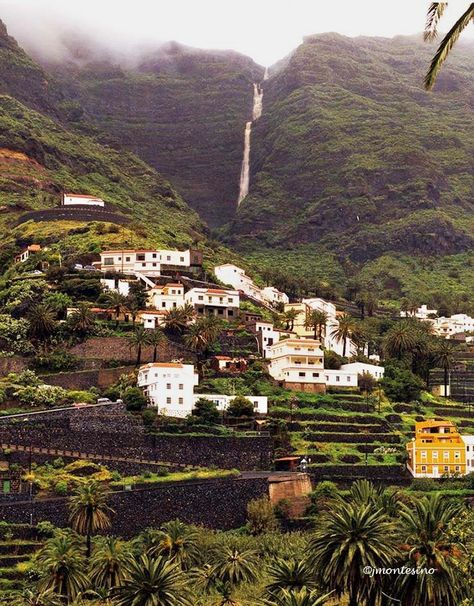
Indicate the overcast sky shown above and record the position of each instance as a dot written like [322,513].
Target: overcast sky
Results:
[264,29]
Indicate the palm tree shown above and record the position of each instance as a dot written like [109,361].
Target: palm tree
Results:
[138,338]
[89,512]
[344,330]
[178,542]
[42,321]
[108,562]
[117,301]
[156,338]
[234,566]
[152,582]
[289,317]
[364,492]
[316,319]
[178,318]
[62,560]
[349,537]
[82,320]
[225,594]
[300,597]
[289,575]
[400,340]
[435,12]
[200,336]
[426,526]
[37,598]
[444,357]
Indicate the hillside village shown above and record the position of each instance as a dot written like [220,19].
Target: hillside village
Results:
[273,408]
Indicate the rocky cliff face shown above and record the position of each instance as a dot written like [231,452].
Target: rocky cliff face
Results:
[353,154]
[181,110]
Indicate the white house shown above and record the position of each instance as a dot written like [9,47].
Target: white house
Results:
[457,323]
[267,335]
[422,313]
[147,261]
[118,285]
[75,199]
[26,253]
[361,368]
[260,403]
[169,296]
[469,443]
[151,318]
[273,295]
[214,301]
[341,377]
[169,387]
[319,304]
[297,362]
[237,278]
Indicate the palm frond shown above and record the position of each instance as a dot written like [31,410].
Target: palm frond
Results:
[433,16]
[446,45]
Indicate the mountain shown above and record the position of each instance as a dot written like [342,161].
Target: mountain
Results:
[40,157]
[180,109]
[352,154]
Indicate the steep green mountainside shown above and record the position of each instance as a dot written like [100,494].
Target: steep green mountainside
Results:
[181,110]
[40,158]
[353,155]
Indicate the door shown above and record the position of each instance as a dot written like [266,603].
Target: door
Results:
[435,471]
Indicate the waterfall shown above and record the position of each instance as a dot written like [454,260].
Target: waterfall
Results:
[245,170]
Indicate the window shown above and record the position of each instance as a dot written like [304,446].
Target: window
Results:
[168,385]
[181,259]
[180,386]
[108,261]
[154,255]
[154,264]
[230,312]
[315,374]
[163,304]
[446,468]
[220,312]
[143,264]
[348,379]
[446,454]
[457,455]
[127,259]
[140,257]
[168,258]
[221,299]
[229,299]
[175,305]
[423,468]
[457,468]
[180,400]
[435,455]
[423,454]
[200,298]
[338,378]
[302,374]
[168,400]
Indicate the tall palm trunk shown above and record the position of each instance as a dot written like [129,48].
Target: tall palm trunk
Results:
[139,354]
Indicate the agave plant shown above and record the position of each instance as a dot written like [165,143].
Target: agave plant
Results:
[289,575]
[301,597]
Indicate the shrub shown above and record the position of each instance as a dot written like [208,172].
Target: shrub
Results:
[60,488]
[240,407]
[206,411]
[423,484]
[261,516]
[45,528]
[149,416]
[351,458]
[134,399]
[332,360]
[400,384]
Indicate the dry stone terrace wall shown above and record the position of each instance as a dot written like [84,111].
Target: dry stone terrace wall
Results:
[118,348]
[216,503]
[111,431]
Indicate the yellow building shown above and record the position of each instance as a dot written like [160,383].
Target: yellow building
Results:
[436,449]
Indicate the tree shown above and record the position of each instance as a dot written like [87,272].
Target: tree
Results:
[426,524]
[444,356]
[300,597]
[435,12]
[134,399]
[400,384]
[344,330]
[89,512]
[152,582]
[240,406]
[156,338]
[82,319]
[289,575]
[137,295]
[138,339]
[116,301]
[400,340]
[108,563]
[178,542]
[42,321]
[206,411]
[62,560]
[347,538]
[261,516]
[289,317]
[177,319]
[366,382]
[316,319]
[235,566]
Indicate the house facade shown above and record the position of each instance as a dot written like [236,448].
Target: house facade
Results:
[149,262]
[267,335]
[298,364]
[169,296]
[437,449]
[169,387]
[83,200]
[455,324]
[274,296]
[361,368]
[27,252]
[214,301]
[237,278]
[422,313]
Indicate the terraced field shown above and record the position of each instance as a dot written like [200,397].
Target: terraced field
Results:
[18,543]
[344,433]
